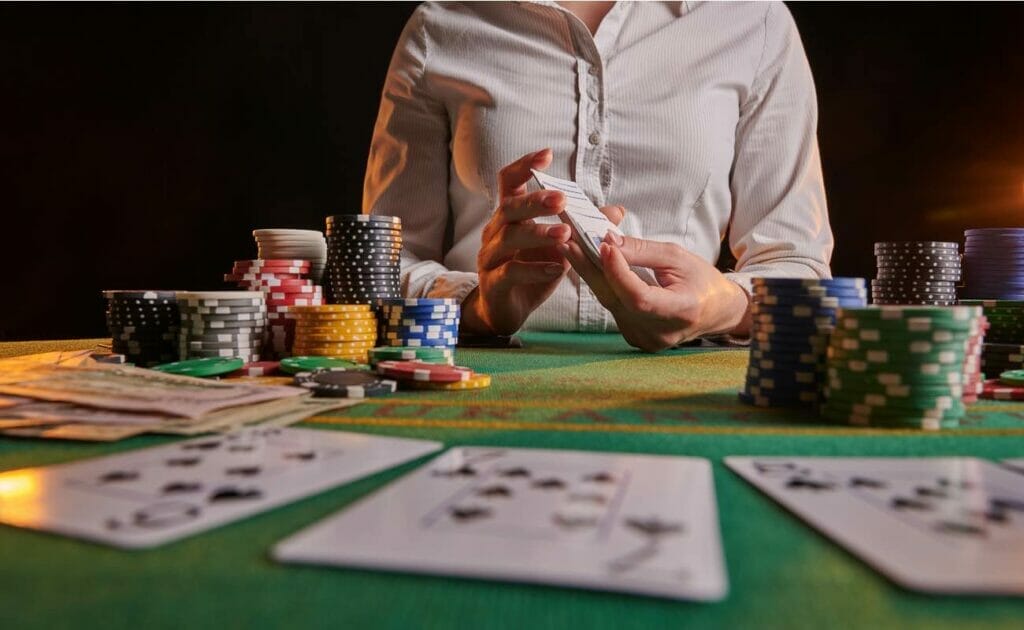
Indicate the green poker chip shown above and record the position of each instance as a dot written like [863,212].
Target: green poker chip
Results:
[1013,378]
[294,365]
[426,354]
[202,368]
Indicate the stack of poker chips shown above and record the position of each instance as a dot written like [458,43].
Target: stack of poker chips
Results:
[792,319]
[143,325]
[284,244]
[916,272]
[994,264]
[419,322]
[363,258]
[285,285]
[1004,341]
[899,366]
[422,375]
[227,324]
[344,331]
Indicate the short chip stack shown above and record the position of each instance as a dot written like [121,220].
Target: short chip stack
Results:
[286,284]
[899,366]
[363,258]
[1004,341]
[345,383]
[419,322]
[421,375]
[445,356]
[228,324]
[286,243]
[143,325]
[792,319]
[344,331]
[994,264]
[916,272]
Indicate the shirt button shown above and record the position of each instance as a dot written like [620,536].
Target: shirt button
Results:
[595,138]
[593,71]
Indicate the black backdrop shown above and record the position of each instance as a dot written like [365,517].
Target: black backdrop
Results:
[140,144]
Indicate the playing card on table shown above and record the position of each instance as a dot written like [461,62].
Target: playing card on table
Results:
[1015,464]
[633,523]
[152,496]
[943,525]
[589,224]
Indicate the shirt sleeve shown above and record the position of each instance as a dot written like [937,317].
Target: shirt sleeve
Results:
[779,224]
[407,170]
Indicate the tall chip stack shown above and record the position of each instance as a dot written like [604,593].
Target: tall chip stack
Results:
[916,272]
[899,366]
[143,325]
[343,331]
[792,319]
[286,284]
[419,322]
[1004,341]
[228,324]
[994,264]
[286,243]
[363,262]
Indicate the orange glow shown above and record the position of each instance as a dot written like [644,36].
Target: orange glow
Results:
[18,485]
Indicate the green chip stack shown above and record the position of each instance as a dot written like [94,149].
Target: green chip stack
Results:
[1004,342]
[899,366]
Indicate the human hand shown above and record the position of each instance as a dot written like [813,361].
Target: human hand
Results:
[694,298]
[519,263]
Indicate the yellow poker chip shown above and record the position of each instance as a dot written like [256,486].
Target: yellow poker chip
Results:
[334,349]
[477,381]
[333,308]
[339,337]
[358,357]
[331,317]
[314,327]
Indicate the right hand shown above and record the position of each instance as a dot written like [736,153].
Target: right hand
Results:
[520,262]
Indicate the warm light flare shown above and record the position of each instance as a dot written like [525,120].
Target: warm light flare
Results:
[18,485]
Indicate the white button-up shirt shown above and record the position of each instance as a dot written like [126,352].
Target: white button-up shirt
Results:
[699,118]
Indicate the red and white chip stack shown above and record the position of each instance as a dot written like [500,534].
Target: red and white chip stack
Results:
[286,285]
[974,380]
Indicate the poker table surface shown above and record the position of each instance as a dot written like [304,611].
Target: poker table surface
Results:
[561,391]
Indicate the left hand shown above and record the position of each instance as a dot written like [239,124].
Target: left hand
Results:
[694,298]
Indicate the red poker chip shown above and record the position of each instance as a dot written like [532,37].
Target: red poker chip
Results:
[273,262]
[258,368]
[994,390]
[316,300]
[427,372]
[275,293]
[259,277]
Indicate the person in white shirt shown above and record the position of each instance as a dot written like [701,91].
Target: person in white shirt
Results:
[700,118]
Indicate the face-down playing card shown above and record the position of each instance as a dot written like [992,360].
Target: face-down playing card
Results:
[944,525]
[152,496]
[631,523]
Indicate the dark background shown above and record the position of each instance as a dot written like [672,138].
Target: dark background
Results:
[141,144]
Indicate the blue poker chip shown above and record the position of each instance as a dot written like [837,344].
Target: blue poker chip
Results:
[420,343]
[417,313]
[419,329]
[421,322]
[811,282]
[418,302]
[809,292]
[809,300]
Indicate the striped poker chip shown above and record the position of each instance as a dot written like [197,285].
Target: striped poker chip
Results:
[426,372]
[994,390]
[345,383]
[259,368]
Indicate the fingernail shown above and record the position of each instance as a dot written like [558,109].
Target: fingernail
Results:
[553,200]
[604,249]
[553,270]
[555,231]
[623,208]
[614,238]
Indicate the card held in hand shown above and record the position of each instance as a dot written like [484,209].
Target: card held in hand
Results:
[618,522]
[152,496]
[589,225]
[940,525]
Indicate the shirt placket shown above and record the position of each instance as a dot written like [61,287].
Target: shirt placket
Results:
[592,131]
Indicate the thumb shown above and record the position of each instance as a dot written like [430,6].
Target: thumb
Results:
[644,253]
[615,214]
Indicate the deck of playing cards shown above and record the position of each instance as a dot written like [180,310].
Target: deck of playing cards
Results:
[619,522]
[589,225]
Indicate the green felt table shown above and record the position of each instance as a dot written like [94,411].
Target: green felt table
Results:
[588,392]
